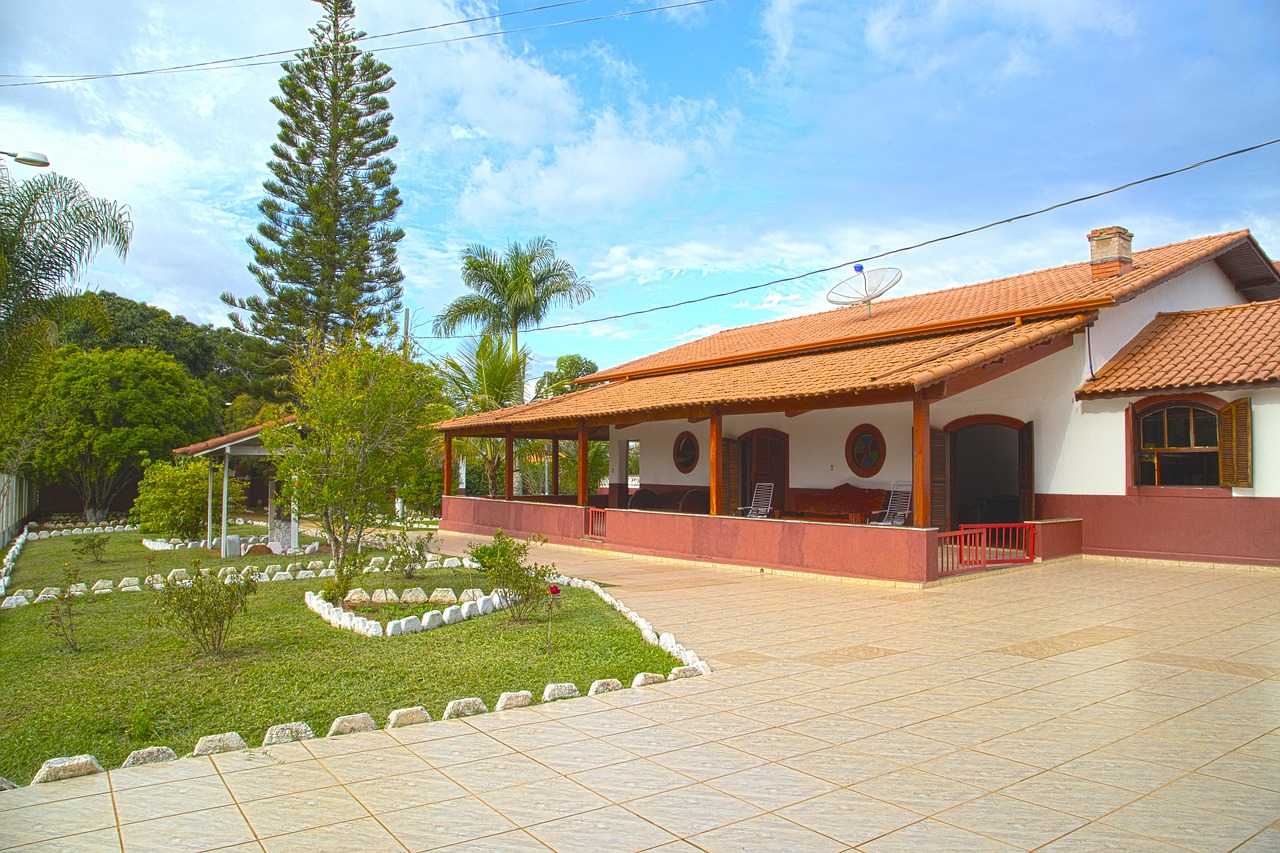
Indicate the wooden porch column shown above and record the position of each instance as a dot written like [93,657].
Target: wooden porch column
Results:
[584,436]
[713,459]
[448,464]
[555,466]
[509,449]
[920,456]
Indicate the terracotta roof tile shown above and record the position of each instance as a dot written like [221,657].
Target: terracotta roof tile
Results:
[227,440]
[905,364]
[1216,348]
[1039,293]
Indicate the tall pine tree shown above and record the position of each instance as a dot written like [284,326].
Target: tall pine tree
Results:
[325,252]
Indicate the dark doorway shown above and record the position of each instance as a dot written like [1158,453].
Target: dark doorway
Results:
[764,460]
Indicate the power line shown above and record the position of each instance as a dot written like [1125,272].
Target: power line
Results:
[256,60]
[888,252]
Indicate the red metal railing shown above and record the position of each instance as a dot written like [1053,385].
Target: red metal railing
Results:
[975,547]
[595,523]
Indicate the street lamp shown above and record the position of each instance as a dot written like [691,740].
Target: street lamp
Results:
[28,158]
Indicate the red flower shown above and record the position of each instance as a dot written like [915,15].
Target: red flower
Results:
[555,590]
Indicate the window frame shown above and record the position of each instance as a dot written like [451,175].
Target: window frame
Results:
[1240,444]
[675,452]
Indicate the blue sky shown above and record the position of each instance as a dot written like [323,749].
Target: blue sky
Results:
[677,154]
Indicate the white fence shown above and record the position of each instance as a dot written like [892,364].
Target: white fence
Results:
[17,500]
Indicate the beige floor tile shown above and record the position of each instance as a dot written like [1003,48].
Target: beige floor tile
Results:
[99,841]
[1071,794]
[584,833]
[841,765]
[303,810]
[779,712]
[775,744]
[1014,822]
[52,792]
[177,797]
[765,834]
[1037,751]
[612,721]
[1183,753]
[1252,804]
[931,836]
[375,764]
[448,822]
[197,831]
[1100,838]
[501,771]
[835,728]
[849,817]
[720,725]
[580,755]
[631,780]
[693,809]
[990,772]
[1121,771]
[1241,766]
[771,786]
[902,747]
[445,752]
[918,791]
[707,761]
[273,781]
[327,747]
[363,834]
[51,820]
[653,740]
[254,758]
[547,733]
[405,791]
[1267,841]
[515,841]
[672,710]
[538,802]
[1183,825]
[166,771]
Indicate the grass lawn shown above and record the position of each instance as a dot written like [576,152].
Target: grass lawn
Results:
[133,686]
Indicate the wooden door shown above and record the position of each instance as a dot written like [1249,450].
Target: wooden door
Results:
[730,476]
[769,465]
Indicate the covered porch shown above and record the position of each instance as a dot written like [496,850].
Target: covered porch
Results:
[831,430]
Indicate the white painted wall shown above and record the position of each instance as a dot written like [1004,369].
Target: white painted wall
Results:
[656,442]
[1266,442]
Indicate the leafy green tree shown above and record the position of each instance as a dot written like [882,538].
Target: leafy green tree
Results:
[597,466]
[173,498]
[210,355]
[116,409]
[325,252]
[512,291]
[560,381]
[364,414]
[481,377]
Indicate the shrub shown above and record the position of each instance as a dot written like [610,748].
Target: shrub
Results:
[173,498]
[200,610]
[505,561]
[411,553]
[93,546]
[61,618]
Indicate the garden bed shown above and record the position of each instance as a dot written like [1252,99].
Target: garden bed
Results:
[133,685]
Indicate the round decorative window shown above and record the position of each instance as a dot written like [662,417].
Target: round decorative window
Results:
[685,452]
[864,450]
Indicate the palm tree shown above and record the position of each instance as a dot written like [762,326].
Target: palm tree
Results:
[50,229]
[483,376]
[513,291]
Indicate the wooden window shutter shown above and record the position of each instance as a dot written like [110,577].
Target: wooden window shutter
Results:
[1235,444]
[939,478]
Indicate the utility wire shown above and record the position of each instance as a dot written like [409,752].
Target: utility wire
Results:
[899,250]
[63,78]
[243,62]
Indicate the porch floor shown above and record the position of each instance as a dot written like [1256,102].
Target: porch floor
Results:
[1083,705]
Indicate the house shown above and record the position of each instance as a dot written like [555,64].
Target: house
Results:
[1127,405]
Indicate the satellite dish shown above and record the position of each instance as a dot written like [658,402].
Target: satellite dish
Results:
[864,286]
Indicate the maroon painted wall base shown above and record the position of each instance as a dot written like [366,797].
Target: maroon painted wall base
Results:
[1211,529]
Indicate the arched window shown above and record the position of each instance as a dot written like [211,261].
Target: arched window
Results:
[1178,445]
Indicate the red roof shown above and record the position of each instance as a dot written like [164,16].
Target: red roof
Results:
[1233,347]
[202,447]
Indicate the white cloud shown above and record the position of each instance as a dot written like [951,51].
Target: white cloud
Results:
[698,332]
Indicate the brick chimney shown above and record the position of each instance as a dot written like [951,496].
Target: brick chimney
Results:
[1110,252]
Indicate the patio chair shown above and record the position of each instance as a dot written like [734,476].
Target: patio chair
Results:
[897,507]
[761,502]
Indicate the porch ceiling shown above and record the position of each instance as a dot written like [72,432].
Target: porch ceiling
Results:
[874,373]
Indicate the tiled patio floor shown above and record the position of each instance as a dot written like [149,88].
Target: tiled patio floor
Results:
[1079,706]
